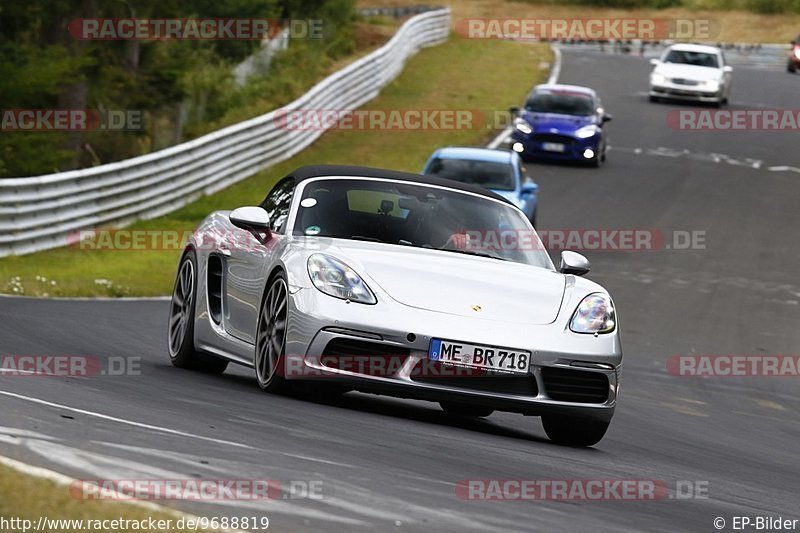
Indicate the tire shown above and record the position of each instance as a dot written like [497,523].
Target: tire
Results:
[461,409]
[790,68]
[180,329]
[574,431]
[270,349]
[654,98]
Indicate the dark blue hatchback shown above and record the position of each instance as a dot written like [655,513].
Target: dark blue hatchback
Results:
[561,122]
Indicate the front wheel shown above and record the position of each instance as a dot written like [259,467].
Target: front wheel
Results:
[574,431]
[181,322]
[271,336]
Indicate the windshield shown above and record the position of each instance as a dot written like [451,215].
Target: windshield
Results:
[418,216]
[488,174]
[561,103]
[698,59]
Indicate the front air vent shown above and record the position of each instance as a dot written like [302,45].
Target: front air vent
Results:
[215,288]
[364,357]
[567,385]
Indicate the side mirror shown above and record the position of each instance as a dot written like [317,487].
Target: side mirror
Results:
[251,218]
[574,263]
[529,187]
[513,110]
[607,117]
[655,62]
[727,68]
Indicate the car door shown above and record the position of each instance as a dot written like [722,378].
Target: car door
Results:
[526,187]
[249,262]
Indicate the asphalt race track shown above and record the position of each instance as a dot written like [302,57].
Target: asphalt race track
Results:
[390,464]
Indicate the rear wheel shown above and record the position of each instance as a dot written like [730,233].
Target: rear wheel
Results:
[574,431]
[790,67]
[181,322]
[271,336]
[462,409]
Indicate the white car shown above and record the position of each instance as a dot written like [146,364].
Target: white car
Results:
[352,278]
[691,72]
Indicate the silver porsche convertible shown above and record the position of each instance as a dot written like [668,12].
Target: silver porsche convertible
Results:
[349,278]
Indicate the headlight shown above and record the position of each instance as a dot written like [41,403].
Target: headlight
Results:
[657,79]
[797,52]
[522,125]
[336,279]
[595,314]
[587,131]
[711,84]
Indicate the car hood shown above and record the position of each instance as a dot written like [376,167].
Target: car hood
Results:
[556,123]
[454,283]
[689,72]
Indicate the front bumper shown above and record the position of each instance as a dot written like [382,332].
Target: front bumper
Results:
[535,145]
[685,92]
[553,385]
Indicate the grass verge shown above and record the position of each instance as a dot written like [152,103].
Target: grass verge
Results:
[461,74]
[29,498]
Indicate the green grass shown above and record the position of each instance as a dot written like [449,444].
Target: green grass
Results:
[29,498]
[469,74]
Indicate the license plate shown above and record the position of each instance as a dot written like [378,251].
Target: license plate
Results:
[553,147]
[480,356]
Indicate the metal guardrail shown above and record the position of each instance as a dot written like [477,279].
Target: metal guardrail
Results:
[43,212]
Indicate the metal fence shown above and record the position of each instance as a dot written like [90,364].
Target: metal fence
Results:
[43,212]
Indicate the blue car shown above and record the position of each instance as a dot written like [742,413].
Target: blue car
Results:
[561,122]
[500,171]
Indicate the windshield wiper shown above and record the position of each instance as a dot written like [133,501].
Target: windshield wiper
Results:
[367,239]
[479,254]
